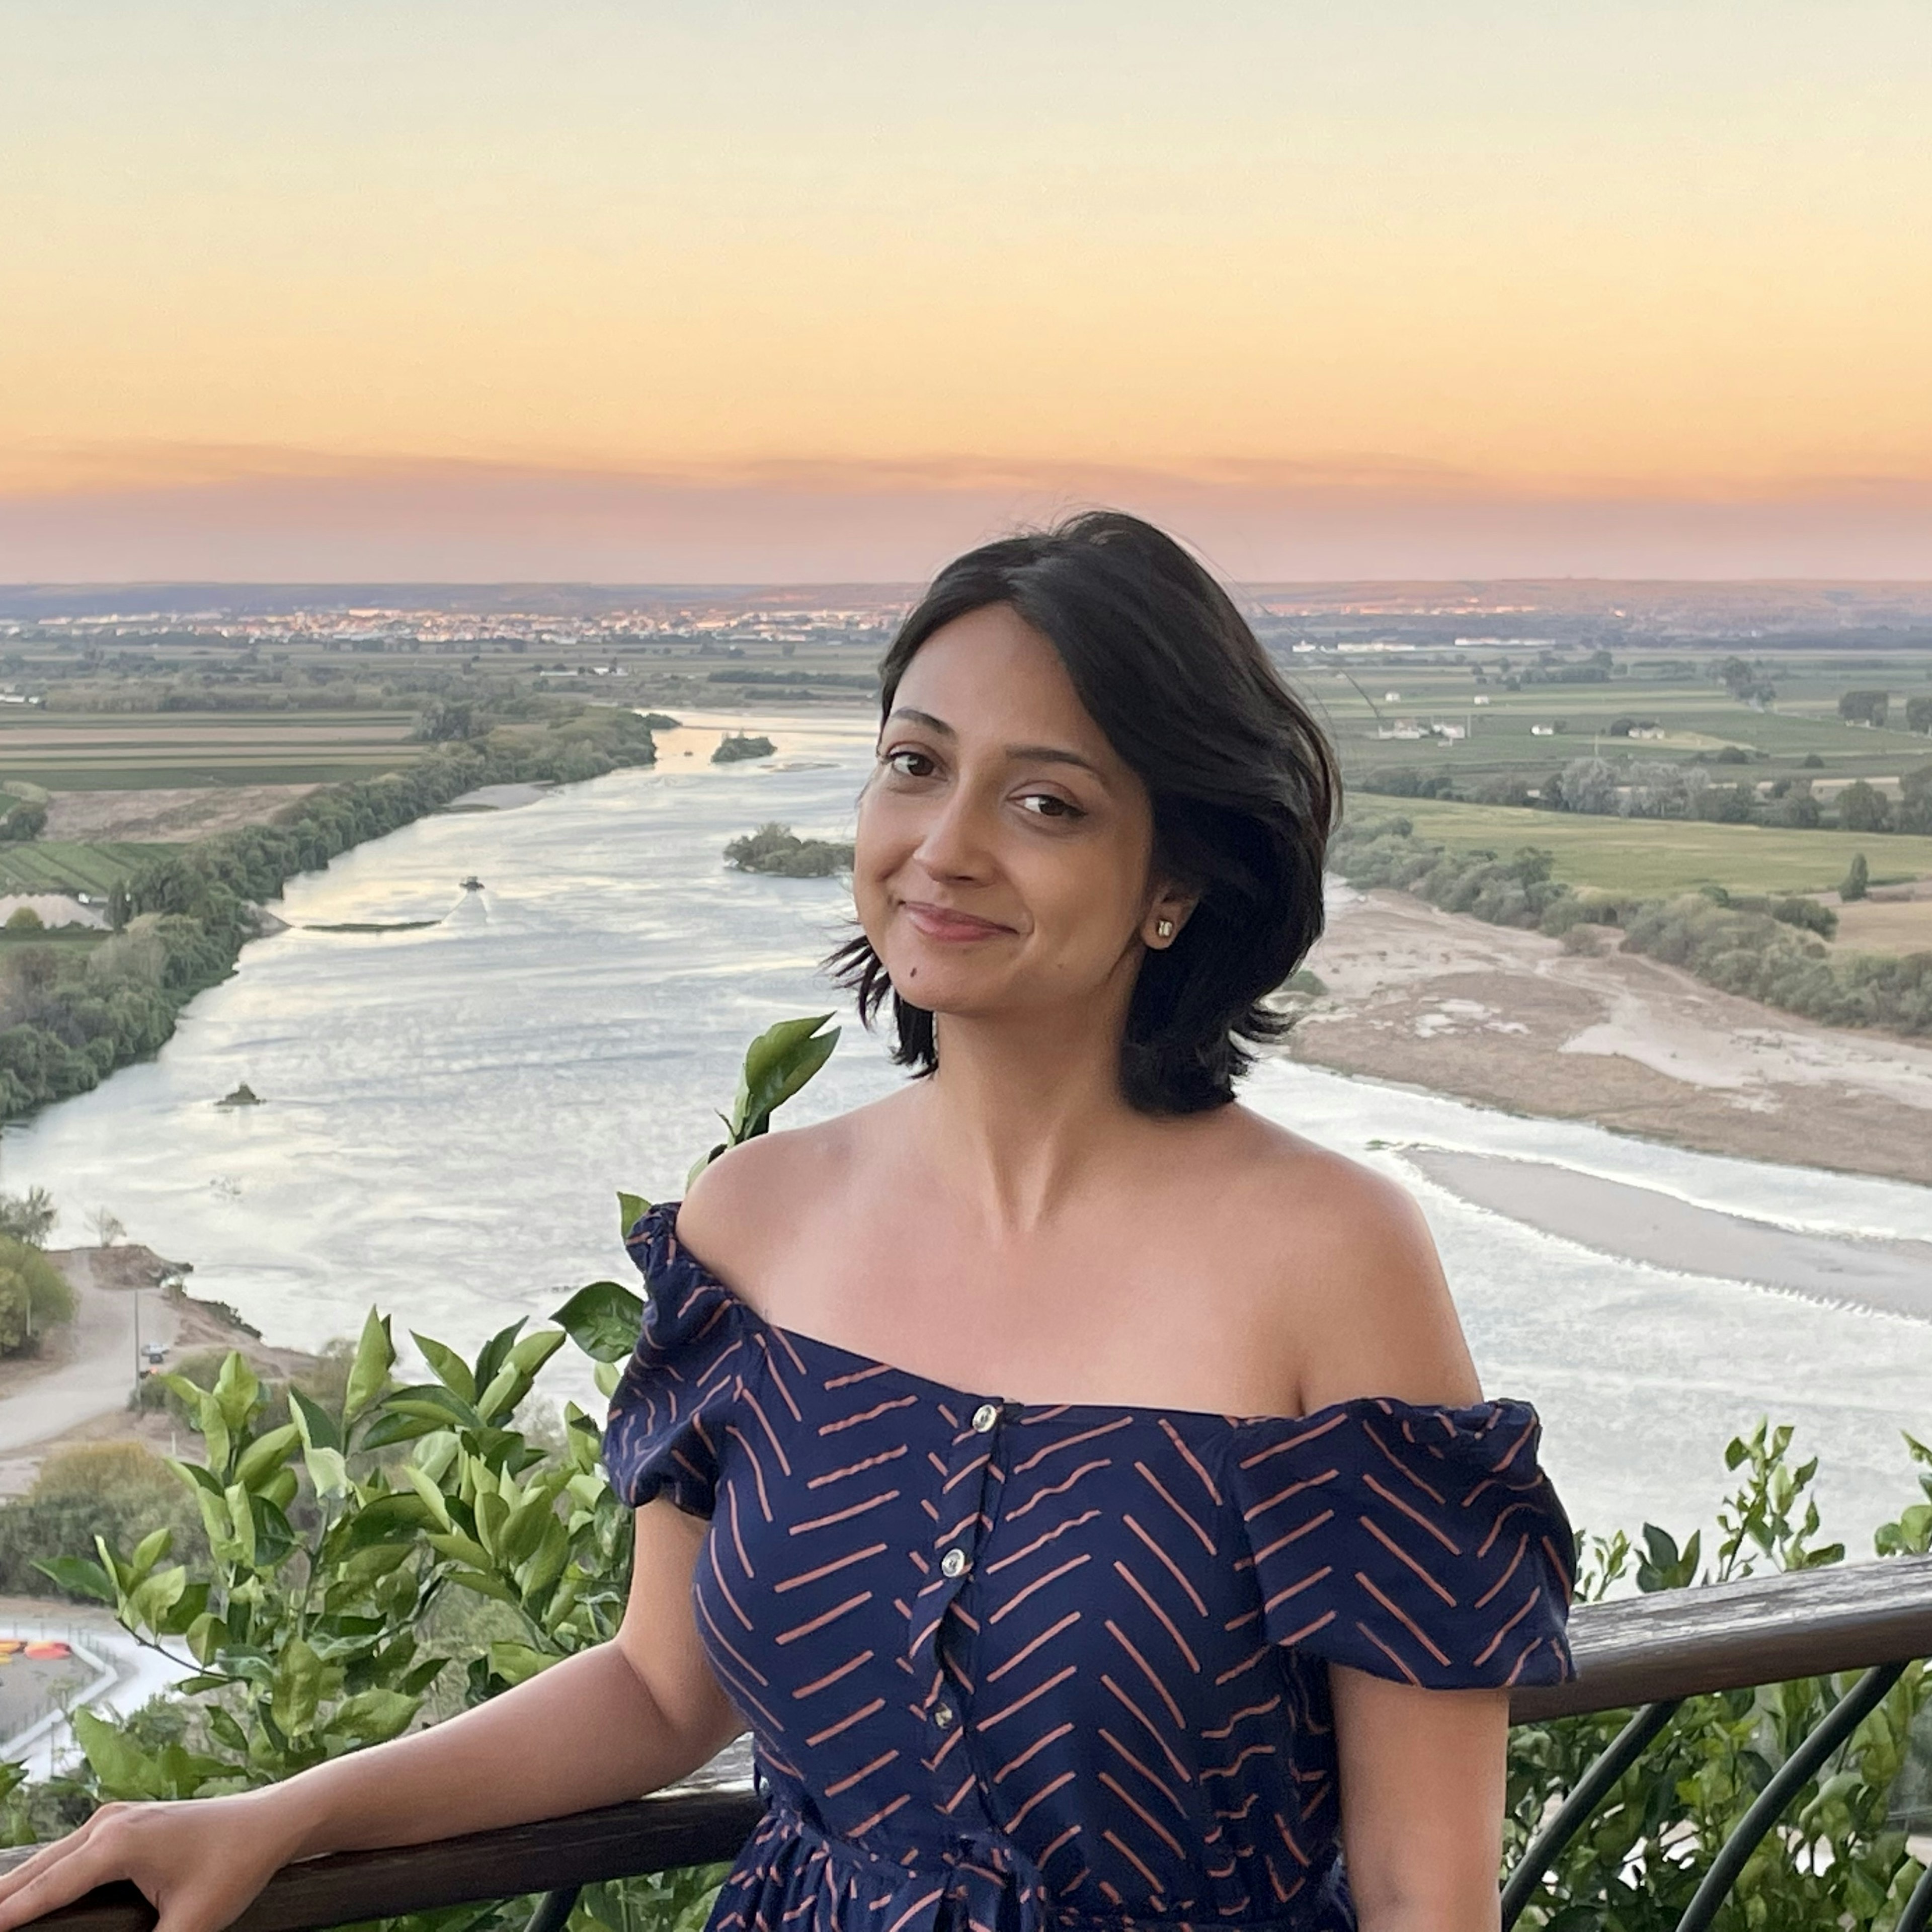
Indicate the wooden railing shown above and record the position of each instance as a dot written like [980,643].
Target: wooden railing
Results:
[1645,1654]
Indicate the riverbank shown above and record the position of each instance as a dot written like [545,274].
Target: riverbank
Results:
[1511,1019]
[77,1390]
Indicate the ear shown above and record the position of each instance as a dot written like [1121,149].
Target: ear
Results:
[1169,907]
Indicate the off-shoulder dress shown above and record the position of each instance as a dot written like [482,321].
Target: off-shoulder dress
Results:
[1009,1666]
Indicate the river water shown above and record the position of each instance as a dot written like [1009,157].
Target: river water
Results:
[449,1112]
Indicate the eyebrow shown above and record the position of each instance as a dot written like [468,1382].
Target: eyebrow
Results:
[1050,755]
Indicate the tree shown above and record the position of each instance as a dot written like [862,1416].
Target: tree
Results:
[1857,877]
[1587,784]
[1863,707]
[108,1226]
[29,1217]
[1918,715]
[1863,808]
[24,919]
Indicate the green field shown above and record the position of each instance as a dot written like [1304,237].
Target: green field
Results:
[120,751]
[53,866]
[1700,720]
[1658,855]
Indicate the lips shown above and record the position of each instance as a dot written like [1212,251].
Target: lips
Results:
[947,923]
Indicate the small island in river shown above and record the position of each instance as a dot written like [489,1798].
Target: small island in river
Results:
[736,746]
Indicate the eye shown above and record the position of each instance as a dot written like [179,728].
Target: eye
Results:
[1049,804]
[908,762]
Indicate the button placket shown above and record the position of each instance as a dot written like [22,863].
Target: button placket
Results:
[943,1640]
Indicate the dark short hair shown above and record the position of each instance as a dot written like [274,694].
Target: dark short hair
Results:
[1244,785]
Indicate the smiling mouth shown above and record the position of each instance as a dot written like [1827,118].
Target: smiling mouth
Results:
[943,922]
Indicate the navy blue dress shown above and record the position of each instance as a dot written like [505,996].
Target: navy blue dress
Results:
[1008,1666]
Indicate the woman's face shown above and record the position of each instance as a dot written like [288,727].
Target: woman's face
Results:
[1004,848]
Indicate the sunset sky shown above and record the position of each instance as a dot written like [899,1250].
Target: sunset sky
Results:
[704,289]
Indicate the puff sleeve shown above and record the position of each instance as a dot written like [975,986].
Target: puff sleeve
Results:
[667,1418]
[1423,1545]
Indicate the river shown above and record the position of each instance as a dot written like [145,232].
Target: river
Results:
[448,1111]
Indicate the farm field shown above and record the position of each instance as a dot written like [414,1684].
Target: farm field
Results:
[1659,856]
[1529,733]
[65,866]
[97,752]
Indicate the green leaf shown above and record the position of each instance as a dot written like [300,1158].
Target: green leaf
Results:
[546,1566]
[491,1356]
[318,1426]
[778,1064]
[485,1586]
[237,1391]
[530,1353]
[148,1552]
[431,1400]
[224,1728]
[298,1688]
[387,1430]
[523,1532]
[450,1367]
[266,1454]
[392,1518]
[241,1521]
[434,1499]
[375,1353]
[77,1575]
[124,1770]
[507,1388]
[517,1663]
[631,1208]
[372,1717]
[154,1600]
[603,1319]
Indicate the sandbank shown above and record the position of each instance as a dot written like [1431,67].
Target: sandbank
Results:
[1641,1224]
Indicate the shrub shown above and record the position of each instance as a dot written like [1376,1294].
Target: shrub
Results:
[1810,915]
[777,849]
[1857,879]
[117,1490]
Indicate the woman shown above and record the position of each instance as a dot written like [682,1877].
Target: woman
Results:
[1079,1485]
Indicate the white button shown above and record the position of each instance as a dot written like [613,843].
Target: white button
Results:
[953,1563]
[945,1717]
[985,1417]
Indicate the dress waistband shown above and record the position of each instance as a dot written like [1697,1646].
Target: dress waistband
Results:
[984,1882]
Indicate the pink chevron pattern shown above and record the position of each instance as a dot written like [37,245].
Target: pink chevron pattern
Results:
[1007,1666]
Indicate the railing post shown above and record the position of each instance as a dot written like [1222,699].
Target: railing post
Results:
[1592,1788]
[1797,1770]
[1918,1913]
[554,1909]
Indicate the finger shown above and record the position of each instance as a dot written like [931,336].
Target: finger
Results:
[59,1882]
[24,1873]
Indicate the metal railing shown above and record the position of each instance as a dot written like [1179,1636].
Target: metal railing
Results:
[1646,1654]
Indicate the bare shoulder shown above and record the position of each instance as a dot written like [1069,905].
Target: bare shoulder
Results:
[757,1197]
[1349,1259]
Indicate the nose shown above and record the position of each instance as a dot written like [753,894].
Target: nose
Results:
[954,845]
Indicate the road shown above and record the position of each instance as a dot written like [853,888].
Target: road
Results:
[96,1380]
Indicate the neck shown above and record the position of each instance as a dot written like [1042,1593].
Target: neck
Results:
[1018,1110]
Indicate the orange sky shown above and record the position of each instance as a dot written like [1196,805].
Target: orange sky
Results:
[650,290]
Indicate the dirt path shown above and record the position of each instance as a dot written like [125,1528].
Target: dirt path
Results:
[96,1368]
[1512,1020]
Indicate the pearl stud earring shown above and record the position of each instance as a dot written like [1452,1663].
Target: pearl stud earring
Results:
[1163,928]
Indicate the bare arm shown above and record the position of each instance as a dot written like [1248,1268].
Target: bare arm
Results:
[1422,1777]
[1424,1773]
[607,1724]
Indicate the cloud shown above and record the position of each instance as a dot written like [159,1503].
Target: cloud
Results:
[248,514]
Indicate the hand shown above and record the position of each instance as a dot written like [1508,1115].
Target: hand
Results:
[199,1862]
